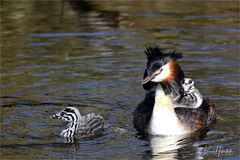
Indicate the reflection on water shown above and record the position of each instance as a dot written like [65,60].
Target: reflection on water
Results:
[89,54]
[166,147]
[175,147]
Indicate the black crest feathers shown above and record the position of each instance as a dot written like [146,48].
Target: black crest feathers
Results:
[156,53]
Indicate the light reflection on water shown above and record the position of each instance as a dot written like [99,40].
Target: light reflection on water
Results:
[93,59]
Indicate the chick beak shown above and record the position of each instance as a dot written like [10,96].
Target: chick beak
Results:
[56,116]
[53,116]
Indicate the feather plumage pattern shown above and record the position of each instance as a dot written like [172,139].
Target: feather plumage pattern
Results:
[156,53]
[171,98]
[82,126]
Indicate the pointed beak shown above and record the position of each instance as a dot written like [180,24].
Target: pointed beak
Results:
[149,78]
[55,116]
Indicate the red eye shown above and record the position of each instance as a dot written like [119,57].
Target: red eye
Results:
[161,70]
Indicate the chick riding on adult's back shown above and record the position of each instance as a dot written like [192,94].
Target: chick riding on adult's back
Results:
[158,113]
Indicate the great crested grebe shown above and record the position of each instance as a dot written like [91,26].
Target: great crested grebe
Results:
[164,82]
[83,126]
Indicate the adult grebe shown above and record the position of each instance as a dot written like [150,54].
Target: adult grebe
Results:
[83,126]
[156,114]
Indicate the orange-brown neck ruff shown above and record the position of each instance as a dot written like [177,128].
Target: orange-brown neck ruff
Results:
[155,54]
[174,74]
[172,82]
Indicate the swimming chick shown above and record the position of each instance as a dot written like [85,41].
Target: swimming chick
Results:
[83,126]
[156,114]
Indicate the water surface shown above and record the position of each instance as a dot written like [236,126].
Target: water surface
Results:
[89,54]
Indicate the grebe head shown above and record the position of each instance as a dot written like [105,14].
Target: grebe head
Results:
[162,68]
[68,114]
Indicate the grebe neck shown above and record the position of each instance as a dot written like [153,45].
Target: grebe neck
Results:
[164,120]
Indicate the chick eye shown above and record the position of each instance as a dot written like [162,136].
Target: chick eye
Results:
[161,70]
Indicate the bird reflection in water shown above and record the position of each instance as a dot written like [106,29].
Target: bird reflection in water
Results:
[173,147]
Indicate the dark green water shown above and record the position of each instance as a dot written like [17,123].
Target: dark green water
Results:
[89,54]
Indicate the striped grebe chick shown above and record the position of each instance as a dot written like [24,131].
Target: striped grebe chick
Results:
[191,97]
[78,125]
[157,114]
